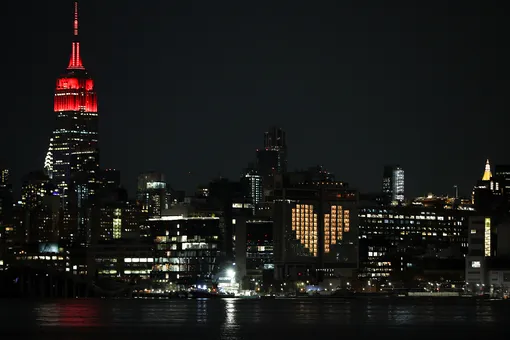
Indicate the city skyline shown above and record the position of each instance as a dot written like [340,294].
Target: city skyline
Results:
[362,165]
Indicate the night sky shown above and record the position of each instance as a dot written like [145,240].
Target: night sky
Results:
[191,86]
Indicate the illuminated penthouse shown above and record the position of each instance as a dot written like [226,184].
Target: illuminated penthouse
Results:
[406,243]
[315,227]
[76,118]
[187,249]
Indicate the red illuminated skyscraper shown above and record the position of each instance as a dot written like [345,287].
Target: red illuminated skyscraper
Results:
[76,118]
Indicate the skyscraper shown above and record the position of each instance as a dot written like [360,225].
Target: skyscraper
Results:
[393,184]
[76,118]
[272,159]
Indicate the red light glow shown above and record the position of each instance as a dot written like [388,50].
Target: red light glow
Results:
[75,61]
[75,93]
[76,101]
[75,84]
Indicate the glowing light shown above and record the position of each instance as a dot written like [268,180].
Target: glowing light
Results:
[75,63]
[487,237]
[487,174]
[231,273]
[75,101]
[75,24]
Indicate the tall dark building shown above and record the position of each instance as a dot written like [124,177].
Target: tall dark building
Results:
[254,184]
[40,203]
[76,118]
[6,210]
[502,178]
[226,197]
[272,159]
[5,194]
[487,194]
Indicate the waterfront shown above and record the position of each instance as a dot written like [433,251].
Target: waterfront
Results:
[247,319]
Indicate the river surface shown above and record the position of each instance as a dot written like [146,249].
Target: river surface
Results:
[72,319]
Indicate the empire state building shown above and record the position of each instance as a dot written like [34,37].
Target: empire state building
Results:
[75,138]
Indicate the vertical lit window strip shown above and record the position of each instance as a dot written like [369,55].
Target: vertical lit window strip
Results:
[314,234]
[327,232]
[304,224]
[346,221]
[334,225]
[339,224]
[487,238]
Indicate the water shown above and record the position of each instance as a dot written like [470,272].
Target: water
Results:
[252,319]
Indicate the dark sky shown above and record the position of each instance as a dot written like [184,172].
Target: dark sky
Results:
[190,86]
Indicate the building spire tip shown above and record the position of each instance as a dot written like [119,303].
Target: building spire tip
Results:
[76,18]
[75,62]
[487,174]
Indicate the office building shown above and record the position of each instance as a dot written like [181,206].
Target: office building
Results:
[272,158]
[315,228]
[409,243]
[187,250]
[254,255]
[76,118]
[393,184]
[151,193]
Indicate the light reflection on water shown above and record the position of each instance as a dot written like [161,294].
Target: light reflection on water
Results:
[234,318]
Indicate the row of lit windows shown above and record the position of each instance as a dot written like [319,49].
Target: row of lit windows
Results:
[414,217]
[304,224]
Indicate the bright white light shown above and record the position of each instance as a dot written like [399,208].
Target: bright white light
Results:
[231,273]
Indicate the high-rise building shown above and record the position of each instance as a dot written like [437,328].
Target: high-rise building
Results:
[4,176]
[254,185]
[40,203]
[487,194]
[502,180]
[76,118]
[6,210]
[272,159]
[275,139]
[151,193]
[393,184]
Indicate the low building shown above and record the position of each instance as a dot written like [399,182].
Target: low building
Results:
[186,250]
[126,260]
[407,243]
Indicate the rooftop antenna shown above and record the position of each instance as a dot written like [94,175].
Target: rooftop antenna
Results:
[75,18]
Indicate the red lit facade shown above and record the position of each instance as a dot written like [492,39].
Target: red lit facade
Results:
[76,125]
[75,94]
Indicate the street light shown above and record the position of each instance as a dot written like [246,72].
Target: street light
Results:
[231,274]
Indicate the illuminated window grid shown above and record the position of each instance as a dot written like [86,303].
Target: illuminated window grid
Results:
[347,219]
[335,224]
[487,237]
[304,224]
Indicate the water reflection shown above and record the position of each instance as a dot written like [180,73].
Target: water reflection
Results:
[229,329]
[202,310]
[230,309]
[234,318]
[68,314]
